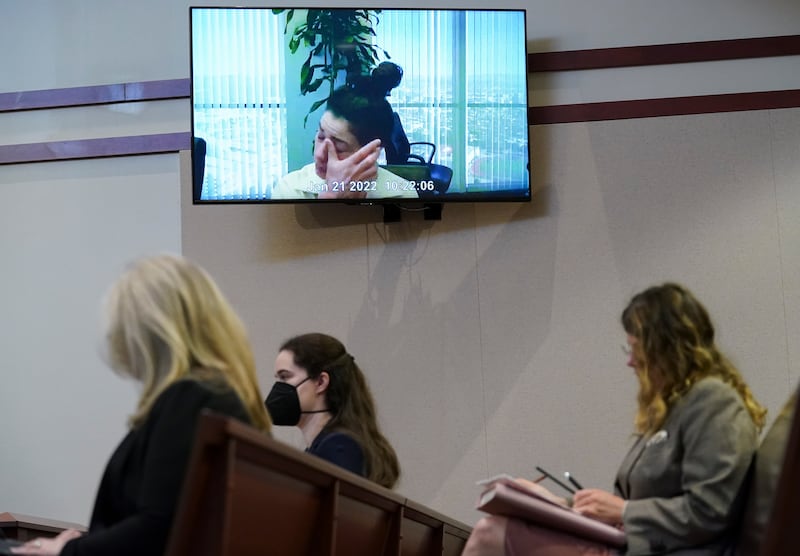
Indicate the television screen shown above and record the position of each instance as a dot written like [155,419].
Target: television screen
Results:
[359,105]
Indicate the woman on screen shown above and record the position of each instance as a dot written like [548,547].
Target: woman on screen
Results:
[172,331]
[356,123]
[697,423]
[320,389]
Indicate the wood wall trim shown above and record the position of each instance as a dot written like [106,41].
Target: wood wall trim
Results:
[95,94]
[649,108]
[788,45]
[95,148]
[677,53]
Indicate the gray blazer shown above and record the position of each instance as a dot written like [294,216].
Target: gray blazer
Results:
[685,483]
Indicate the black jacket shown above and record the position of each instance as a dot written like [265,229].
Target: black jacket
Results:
[138,495]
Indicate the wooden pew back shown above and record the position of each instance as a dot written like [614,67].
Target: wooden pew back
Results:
[247,494]
[784,520]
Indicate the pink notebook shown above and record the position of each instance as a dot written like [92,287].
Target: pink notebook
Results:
[508,498]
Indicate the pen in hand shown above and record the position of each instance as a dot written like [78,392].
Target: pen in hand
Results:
[555,480]
[572,480]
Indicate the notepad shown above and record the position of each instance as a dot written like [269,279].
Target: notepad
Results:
[509,498]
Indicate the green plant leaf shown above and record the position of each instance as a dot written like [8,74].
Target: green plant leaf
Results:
[314,85]
[317,104]
[306,73]
[289,16]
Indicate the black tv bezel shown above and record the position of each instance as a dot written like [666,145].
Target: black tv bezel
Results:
[392,205]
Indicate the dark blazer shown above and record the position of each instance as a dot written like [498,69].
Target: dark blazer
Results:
[684,484]
[341,449]
[139,491]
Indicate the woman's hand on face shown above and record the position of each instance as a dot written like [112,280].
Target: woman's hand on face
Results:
[47,547]
[361,166]
[600,505]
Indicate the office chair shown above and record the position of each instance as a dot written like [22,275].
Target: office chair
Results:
[198,166]
[402,161]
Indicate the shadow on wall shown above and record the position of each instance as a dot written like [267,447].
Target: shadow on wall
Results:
[442,304]
[337,218]
[443,352]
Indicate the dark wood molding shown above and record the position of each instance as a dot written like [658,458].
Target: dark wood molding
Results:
[788,45]
[95,94]
[649,108]
[95,148]
[27,527]
[677,53]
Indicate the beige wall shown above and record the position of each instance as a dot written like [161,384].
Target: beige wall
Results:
[490,338]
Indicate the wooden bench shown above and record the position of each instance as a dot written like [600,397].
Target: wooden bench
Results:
[247,494]
[26,527]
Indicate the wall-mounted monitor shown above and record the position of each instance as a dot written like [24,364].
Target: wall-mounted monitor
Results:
[287,102]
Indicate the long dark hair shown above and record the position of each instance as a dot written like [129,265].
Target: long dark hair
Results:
[349,400]
[675,348]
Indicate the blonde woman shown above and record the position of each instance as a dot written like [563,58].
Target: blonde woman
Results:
[171,330]
[680,488]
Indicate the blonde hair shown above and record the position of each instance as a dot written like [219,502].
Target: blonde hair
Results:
[168,321]
[674,349]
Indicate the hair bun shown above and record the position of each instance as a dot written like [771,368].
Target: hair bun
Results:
[380,82]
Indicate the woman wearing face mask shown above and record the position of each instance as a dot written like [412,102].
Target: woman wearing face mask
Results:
[322,391]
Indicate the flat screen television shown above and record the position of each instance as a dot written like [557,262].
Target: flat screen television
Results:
[286,103]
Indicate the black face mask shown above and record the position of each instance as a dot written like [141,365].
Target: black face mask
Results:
[283,404]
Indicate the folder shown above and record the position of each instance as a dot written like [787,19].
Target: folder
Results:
[508,498]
